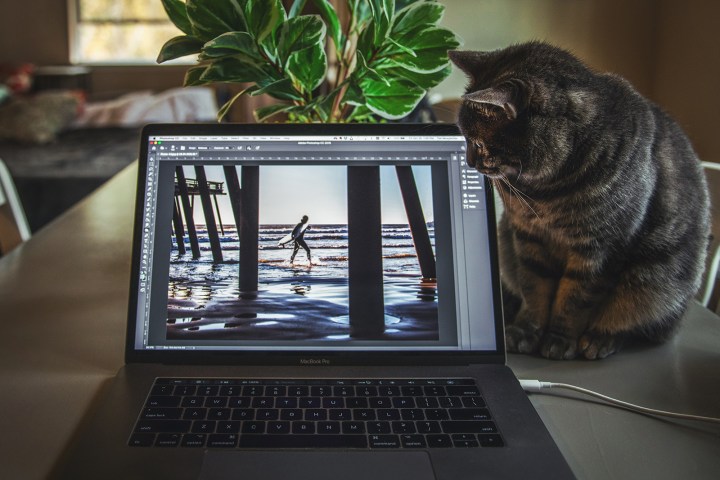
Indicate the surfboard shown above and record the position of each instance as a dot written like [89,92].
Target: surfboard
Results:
[289,237]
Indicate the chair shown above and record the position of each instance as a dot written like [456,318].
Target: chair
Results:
[709,294]
[14,227]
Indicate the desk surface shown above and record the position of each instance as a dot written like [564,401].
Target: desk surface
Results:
[63,302]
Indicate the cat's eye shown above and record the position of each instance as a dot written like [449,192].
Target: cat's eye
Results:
[479,147]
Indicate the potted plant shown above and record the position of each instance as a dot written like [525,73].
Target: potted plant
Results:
[386,56]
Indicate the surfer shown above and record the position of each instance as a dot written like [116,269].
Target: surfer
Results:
[297,236]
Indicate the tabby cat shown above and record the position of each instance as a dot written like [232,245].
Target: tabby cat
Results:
[606,218]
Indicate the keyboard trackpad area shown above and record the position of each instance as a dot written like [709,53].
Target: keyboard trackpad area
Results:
[332,465]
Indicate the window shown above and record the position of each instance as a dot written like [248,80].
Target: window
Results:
[118,31]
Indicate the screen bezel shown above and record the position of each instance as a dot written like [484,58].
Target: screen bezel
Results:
[309,358]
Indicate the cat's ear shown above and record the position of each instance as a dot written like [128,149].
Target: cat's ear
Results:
[503,96]
[467,61]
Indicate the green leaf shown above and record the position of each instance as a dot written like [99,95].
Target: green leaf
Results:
[229,44]
[263,113]
[262,17]
[179,47]
[382,13]
[211,18]
[423,80]
[296,8]
[364,69]
[329,15]
[308,67]
[226,108]
[192,76]
[393,101]
[416,14]
[298,33]
[177,13]
[233,69]
[282,89]
[430,46]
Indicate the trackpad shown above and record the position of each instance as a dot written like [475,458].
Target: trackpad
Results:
[375,465]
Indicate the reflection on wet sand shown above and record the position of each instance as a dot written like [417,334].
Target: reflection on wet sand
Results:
[302,309]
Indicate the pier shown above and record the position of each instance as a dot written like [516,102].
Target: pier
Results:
[365,256]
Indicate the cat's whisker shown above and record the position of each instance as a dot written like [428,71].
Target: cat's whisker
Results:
[519,195]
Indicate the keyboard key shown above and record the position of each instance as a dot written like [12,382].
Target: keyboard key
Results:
[275,391]
[491,440]
[162,390]
[366,391]
[391,391]
[219,414]
[473,402]
[230,391]
[208,391]
[403,402]
[286,402]
[303,427]
[412,414]
[303,441]
[328,427]
[243,414]
[278,427]
[310,402]
[315,414]
[450,402]
[216,402]
[384,441]
[222,440]
[436,414]
[353,427]
[434,391]
[340,414]
[403,427]
[469,414]
[263,402]
[388,414]
[333,402]
[141,440]
[168,440]
[267,414]
[468,427]
[203,426]
[428,427]
[413,441]
[184,390]
[364,414]
[463,390]
[293,414]
[439,441]
[193,440]
[465,440]
[162,426]
[228,427]
[253,427]
[298,391]
[412,391]
[380,427]
[356,402]
[427,402]
[193,402]
[239,402]
[380,402]
[162,413]
[344,391]
[163,401]
[321,391]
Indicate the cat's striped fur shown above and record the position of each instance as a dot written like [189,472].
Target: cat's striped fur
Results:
[606,220]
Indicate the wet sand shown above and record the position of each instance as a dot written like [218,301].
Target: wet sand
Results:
[306,308]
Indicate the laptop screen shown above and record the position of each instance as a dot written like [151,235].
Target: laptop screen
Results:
[320,239]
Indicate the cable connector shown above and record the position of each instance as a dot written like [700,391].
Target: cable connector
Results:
[534,386]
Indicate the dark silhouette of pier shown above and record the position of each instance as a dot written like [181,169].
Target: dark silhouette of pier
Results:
[365,263]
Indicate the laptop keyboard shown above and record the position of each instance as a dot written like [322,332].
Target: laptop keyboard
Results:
[377,414]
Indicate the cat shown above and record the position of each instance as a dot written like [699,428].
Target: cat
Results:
[605,226]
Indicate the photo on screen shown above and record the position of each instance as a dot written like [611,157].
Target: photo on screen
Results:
[327,253]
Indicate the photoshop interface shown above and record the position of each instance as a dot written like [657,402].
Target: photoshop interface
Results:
[301,295]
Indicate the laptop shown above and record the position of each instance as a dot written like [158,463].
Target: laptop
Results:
[313,301]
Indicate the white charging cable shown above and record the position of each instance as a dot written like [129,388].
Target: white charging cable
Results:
[536,386]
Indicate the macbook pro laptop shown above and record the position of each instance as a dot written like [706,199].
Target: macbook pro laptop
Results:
[313,301]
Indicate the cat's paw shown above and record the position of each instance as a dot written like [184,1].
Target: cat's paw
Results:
[596,346]
[521,339]
[558,347]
